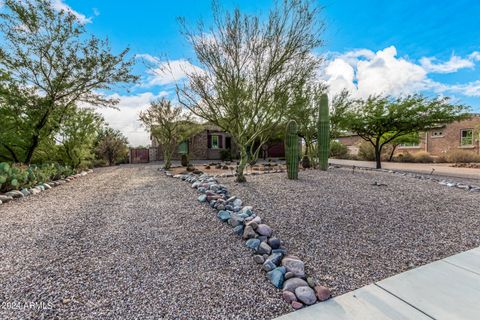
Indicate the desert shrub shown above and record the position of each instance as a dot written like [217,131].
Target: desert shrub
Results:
[460,156]
[366,151]
[338,150]
[423,157]
[405,157]
[225,155]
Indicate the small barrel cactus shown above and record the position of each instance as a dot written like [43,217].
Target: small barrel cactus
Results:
[323,133]
[291,149]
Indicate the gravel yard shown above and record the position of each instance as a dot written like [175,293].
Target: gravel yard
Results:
[350,232]
[128,243]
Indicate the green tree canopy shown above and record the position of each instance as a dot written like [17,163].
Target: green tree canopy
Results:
[48,54]
[381,120]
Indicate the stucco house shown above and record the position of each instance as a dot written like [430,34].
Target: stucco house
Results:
[459,135]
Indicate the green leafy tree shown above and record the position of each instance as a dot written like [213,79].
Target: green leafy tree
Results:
[77,136]
[169,125]
[49,52]
[250,68]
[412,138]
[381,120]
[111,145]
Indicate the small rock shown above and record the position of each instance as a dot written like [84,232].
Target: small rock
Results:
[276,276]
[238,230]
[289,297]
[254,225]
[25,192]
[202,198]
[297,305]
[306,295]
[249,233]
[263,238]
[293,283]
[5,198]
[275,258]
[264,248]
[235,220]
[311,282]
[231,199]
[289,275]
[15,194]
[264,230]
[322,293]
[268,265]
[223,215]
[47,186]
[256,220]
[237,203]
[274,243]
[252,243]
[295,265]
[258,259]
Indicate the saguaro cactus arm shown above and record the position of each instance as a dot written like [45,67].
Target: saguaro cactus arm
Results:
[323,133]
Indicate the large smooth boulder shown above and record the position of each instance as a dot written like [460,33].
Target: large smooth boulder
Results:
[294,265]
[306,295]
[293,283]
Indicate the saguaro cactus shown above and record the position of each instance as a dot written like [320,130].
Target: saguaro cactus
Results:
[323,133]
[291,149]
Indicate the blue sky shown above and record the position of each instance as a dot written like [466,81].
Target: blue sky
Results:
[371,46]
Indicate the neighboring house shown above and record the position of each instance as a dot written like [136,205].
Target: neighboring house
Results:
[208,145]
[459,135]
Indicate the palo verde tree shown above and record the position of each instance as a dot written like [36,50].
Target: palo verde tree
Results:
[381,120]
[48,52]
[250,68]
[170,125]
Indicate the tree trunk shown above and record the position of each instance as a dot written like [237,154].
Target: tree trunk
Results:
[12,153]
[394,147]
[167,158]
[378,154]
[242,164]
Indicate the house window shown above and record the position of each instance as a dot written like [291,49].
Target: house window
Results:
[410,145]
[437,134]
[466,137]
[215,142]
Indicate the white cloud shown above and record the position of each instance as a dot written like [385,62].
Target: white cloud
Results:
[60,5]
[471,89]
[453,65]
[364,72]
[166,72]
[125,118]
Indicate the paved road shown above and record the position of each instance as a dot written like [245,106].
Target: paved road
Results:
[124,243]
[443,169]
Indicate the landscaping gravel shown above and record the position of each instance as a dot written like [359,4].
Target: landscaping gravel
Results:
[354,229]
[127,243]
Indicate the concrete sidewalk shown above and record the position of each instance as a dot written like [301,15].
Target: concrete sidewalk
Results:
[441,169]
[443,290]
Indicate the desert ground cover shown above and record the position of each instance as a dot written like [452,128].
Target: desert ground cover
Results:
[126,242]
[350,232]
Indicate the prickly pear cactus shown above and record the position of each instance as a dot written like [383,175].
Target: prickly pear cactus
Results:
[323,133]
[291,149]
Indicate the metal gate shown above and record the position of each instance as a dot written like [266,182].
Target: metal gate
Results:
[140,155]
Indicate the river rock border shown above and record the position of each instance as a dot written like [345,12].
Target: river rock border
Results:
[284,271]
[18,194]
